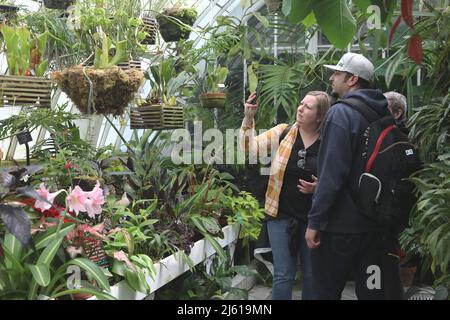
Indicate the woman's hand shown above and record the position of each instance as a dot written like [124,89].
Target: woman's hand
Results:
[307,187]
[250,108]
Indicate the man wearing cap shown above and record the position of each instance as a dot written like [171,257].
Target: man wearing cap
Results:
[342,239]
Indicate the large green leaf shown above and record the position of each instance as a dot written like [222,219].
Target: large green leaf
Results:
[336,21]
[13,246]
[136,279]
[94,270]
[145,262]
[11,262]
[49,252]
[362,4]
[41,273]
[42,240]
[300,9]
[216,246]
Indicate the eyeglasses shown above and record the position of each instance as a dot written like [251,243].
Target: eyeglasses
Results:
[301,163]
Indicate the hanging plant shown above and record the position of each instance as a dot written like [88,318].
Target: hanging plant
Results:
[104,88]
[58,4]
[213,96]
[151,28]
[273,6]
[25,84]
[7,13]
[156,116]
[175,23]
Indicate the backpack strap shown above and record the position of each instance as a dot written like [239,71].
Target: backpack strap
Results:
[362,108]
[376,150]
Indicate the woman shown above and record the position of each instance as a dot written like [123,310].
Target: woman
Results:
[291,184]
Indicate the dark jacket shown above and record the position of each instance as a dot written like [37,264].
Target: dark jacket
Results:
[333,208]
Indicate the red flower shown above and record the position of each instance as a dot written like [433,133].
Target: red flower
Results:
[68,165]
[54,212]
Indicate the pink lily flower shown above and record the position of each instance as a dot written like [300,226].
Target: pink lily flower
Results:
[77,200]
[94,201]
[49,196]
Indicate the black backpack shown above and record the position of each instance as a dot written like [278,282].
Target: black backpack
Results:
[381,188]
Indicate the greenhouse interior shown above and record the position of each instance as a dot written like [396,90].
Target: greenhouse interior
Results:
[224,150]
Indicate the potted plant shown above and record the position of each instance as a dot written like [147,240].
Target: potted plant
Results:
[161,110]
[6,6]
[175,23]
[273,6]
[151,9]
[8,11]
[25,84]
[58,4]
[104,88]
[213,96]
[118,20]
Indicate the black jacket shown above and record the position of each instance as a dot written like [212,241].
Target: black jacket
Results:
[333,208]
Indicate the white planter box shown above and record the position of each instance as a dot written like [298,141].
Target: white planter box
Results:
[173,266]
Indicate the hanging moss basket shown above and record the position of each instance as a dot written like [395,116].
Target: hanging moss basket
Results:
[151,27]
[170,29]
[112,89]
[273,6]
[58,4]
[213,100]
[157,117]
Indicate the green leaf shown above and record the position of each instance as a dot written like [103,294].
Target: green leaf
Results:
[49,252]
[145,262]
[42,42]
[300,10]
[119,268]
[13,246]
[11,262]
[335,20]
[216,246]
[392,69]
[310,20]
[136,279]
[252,78]
[51,234]
[362,4]
[41,273]
[286,7]
[129,241]
[40,69]
[120,55]
[32,290]
[264,21]
[94,270]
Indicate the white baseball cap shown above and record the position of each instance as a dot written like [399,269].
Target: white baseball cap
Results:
[356,64]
